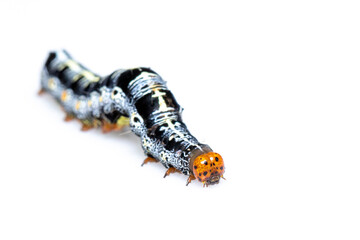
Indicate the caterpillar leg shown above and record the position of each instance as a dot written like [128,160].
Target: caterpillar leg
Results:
[171,170]
[41,91]
[108,127]
[149,159]
[86,127]
[190,178]
[119,125]
[88,124]
[68,117]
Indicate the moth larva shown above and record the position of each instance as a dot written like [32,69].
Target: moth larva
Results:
[137,97]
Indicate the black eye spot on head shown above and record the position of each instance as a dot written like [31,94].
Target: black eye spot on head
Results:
[115,92]
[216,159]
[136,119]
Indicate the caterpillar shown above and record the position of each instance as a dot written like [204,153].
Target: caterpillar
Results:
[138,98]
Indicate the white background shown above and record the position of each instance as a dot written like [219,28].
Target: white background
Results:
[271,85]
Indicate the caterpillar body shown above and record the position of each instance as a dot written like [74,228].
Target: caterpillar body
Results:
[136,97]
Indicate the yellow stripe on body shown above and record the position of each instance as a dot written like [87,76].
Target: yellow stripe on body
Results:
[123,121]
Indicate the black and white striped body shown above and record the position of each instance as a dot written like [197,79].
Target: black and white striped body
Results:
[139,94]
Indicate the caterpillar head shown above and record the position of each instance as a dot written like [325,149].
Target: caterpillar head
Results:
[208,168]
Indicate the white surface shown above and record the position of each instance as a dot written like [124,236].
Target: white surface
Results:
[271,85]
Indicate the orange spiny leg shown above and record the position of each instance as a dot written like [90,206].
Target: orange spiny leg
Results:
[149,159]
[41,91]
[86,125]
[108,127]
[171,170]
[190,178]
[68,117]
[117,126]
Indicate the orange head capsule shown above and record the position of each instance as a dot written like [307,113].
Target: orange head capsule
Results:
[208,168]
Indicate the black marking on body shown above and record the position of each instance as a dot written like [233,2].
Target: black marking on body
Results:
[150,104]
[113,116]
[51,57]
[81,85]
[126,77]
[170,140]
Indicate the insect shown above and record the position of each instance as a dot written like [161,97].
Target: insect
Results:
[138,98]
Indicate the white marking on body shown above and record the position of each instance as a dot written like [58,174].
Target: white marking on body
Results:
[162,104]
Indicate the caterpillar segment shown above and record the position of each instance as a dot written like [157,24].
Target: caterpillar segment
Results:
[138,98]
